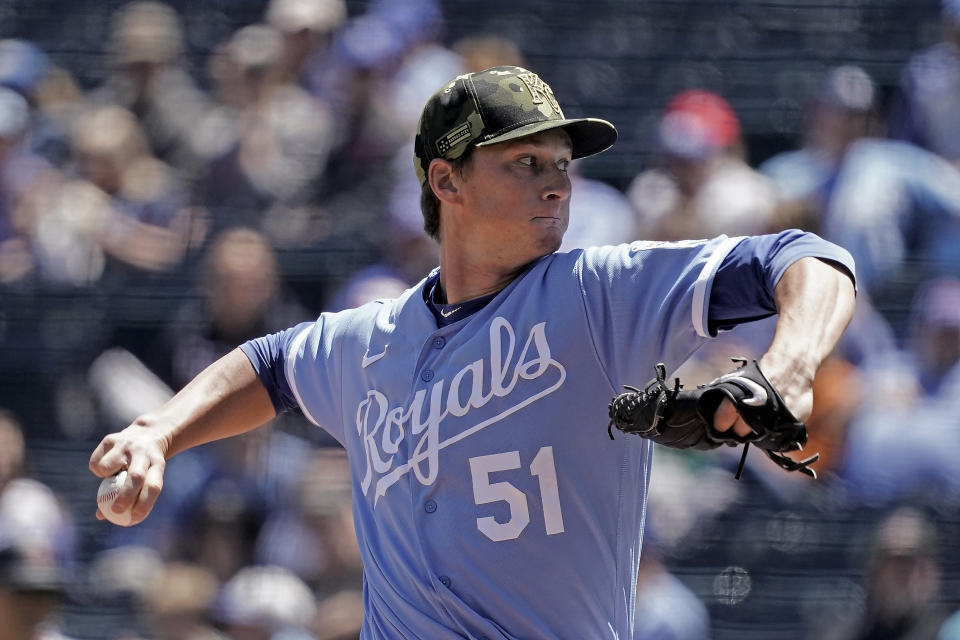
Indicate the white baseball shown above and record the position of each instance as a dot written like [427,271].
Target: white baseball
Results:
[109,490]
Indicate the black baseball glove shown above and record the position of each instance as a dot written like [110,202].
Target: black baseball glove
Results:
[684,419]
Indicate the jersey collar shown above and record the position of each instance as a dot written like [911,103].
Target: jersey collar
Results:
[447,314]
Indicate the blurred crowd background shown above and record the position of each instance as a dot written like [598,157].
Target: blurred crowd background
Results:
[177,178]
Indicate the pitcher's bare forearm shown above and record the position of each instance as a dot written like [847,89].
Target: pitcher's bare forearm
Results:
[226,399]
[815,302]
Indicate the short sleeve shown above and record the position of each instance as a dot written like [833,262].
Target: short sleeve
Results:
[743,288]
[298,368]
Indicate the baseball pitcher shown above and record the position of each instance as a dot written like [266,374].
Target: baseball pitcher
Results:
[488,499]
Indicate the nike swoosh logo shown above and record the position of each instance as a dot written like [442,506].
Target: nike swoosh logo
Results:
[758,396]
[449,313]
[370,359]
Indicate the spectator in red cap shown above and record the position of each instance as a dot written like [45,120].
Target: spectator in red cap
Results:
[704,187]
[697,122]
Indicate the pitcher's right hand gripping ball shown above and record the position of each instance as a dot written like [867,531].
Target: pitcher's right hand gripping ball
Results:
[684,419]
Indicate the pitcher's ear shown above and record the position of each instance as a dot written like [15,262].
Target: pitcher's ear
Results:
[444,180]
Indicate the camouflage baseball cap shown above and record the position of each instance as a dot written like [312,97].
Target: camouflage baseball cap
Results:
[496,105]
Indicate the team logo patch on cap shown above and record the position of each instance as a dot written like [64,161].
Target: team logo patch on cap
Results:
[540,91]
[453,138]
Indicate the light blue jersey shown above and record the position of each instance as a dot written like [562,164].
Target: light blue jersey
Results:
[488,500]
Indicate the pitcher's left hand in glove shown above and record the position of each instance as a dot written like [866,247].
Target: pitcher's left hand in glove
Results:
[683,419]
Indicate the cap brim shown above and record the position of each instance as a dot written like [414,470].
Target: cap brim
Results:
[589,136]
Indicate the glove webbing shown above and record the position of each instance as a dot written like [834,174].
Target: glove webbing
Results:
[625,405]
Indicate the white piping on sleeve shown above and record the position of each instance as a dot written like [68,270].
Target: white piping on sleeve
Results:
[704,280]
[295,346]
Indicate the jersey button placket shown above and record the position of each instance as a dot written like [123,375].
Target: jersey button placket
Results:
[430,505]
